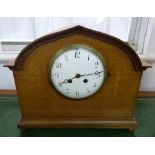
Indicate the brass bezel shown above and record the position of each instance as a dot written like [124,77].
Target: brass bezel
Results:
[63,50]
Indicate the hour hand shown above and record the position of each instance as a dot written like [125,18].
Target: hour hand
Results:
[65,81]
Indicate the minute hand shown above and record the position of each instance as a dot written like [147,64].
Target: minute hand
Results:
[96,73]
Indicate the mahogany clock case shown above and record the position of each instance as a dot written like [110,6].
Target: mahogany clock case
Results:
[43,107]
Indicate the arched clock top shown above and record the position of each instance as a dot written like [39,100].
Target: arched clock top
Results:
[17,64]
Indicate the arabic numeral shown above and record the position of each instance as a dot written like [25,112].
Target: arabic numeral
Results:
[67,91]
[77,93]
[60,85]
[96,64]
[87,90]
[102,74]
[99,75]
[77,54]
[94,84]
[66,57]
[56,75]
[58,65]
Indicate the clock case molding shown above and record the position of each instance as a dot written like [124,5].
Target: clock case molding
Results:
[37,112]
[18,62]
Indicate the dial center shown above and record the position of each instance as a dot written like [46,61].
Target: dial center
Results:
[77,75]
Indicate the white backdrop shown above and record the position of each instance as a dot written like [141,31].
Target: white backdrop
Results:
[29,28]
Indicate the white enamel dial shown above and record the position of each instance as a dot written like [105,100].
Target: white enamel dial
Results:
[78,71]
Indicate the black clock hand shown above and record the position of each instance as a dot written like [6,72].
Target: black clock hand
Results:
[78,76]
[96,73]
[67,80]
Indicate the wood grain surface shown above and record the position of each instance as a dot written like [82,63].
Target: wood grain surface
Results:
[112,106]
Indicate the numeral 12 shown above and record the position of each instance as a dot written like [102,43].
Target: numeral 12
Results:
[77,54]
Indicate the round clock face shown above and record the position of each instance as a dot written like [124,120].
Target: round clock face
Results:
[78,71]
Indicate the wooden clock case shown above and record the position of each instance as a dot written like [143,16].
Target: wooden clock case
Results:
[43,107]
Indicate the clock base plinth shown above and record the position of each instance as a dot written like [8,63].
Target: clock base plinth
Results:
[26,123]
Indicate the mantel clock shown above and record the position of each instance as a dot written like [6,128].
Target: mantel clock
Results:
[77,78]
